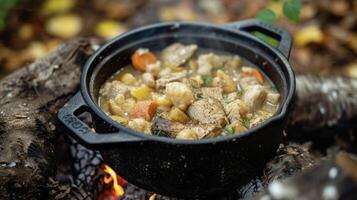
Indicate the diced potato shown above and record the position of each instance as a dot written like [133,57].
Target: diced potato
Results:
[139,124]
[234,62]
[193,65]
[148,79]
[163,102]
[120,120]
[197,80]
[180,94]
[141,93]
[128,105]
[128,79]
[119,99]
[228,84]
[187,134]
[115,109]
[238,127]
[177,115]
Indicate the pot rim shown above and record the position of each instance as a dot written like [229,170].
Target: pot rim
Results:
[98,111]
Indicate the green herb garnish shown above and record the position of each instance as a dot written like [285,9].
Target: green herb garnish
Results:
[199,95]
[194,85]
[245,122]
[222,68]
[240,91]
[207,80]
[228,130]
[228,101]
[157,133]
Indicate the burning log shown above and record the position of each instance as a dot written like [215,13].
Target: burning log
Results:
[333,179]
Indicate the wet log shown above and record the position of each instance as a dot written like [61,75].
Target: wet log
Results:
[331,179]
[29,101]
[325,110]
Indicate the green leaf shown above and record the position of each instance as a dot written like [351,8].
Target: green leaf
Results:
[245,122]
[5,6]
[207,80]
[229,130]
[291,10]
[199,95]
[267,15]
[228,101]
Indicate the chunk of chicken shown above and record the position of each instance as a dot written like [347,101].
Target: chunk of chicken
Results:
[177,54]
[228,84]
[254,96]
[140,124]
[187,134]
[207,62]
[212,92]
[260,117]
[166,127]
[208,111]
[113,88]
[180,94]
[148,79]
[206,130]
[154,68]
[171,77]
[235,110]
[273,98]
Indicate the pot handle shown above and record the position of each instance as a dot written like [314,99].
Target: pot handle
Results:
[251,25]
[81,131]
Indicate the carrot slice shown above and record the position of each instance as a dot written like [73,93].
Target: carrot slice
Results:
[256,74]
[141,59]
[144,109]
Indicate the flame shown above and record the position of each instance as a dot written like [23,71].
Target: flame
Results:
[153,197]
[111,176]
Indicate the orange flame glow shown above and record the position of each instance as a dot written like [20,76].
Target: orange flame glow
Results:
[153,197]
[111,176]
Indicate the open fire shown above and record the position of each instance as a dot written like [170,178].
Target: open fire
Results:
[114,185]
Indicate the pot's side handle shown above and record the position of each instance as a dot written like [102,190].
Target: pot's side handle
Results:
[251,25]
[81,131]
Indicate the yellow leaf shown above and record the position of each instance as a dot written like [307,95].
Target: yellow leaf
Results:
[309,34]
[57,6]
[109,29]
[65,26]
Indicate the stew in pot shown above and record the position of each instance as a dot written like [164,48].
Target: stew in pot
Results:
[184,92]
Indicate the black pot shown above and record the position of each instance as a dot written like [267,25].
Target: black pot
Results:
[177,167]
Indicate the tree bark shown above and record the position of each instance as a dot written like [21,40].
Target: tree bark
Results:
[29,101]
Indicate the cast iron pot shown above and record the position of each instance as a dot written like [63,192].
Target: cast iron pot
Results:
[176,167]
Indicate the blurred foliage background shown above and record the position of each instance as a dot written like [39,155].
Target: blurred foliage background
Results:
[325,37]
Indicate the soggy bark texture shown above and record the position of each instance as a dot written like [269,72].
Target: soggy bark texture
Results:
[324,109]
[335,178]
[29,101]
